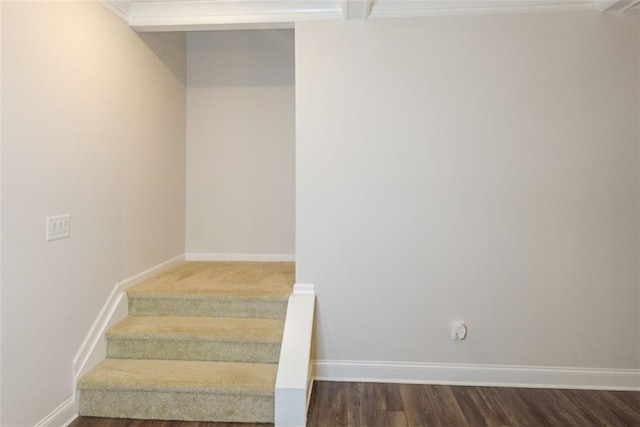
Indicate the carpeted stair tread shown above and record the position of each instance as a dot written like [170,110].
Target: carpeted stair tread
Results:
[198,328]
[181,376]
[221,280]
[217,289]
[196,338]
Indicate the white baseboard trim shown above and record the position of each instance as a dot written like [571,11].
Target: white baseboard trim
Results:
[90,351]
[62,416]
[241,257]
[478,375]
[72,419]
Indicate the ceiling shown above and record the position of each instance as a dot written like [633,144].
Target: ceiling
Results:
[190,15]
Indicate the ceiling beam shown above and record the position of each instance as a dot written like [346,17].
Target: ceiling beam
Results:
[629,6]
[193,15]
[190,15]
[607,4]
[617,5]
[356,9]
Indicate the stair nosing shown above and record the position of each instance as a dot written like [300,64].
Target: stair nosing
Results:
[198,329]
[165,389]
[188,338]
[111,383]
[191,297]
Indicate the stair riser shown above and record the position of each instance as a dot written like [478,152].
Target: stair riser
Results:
[203,307]
[180,406]
[193,350]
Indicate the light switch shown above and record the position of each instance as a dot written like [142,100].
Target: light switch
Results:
[58,227]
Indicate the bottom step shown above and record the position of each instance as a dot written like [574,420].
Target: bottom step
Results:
[179,390]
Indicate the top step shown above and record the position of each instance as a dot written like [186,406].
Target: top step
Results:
[221,289]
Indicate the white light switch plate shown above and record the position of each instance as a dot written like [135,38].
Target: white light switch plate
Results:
[58,227]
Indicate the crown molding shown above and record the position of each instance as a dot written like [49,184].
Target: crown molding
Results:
[118,8]
[193,15]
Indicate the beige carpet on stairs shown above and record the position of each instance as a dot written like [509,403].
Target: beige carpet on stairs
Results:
[201,343]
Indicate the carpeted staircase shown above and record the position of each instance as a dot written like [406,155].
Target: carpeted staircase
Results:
[201,343]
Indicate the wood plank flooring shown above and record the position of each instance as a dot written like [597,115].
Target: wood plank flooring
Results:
[389,405]
[369,404]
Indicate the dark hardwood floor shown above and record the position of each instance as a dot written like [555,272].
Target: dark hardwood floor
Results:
[368,404]
[371,404]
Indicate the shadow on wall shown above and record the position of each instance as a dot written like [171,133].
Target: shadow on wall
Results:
[243,58]
[170,48]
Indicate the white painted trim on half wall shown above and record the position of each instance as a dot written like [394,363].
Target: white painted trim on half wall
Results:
[478,375]
[93,349]
[241,257]
[294,380]
[63,415]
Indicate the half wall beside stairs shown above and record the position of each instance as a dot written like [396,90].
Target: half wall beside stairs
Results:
[295,379]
